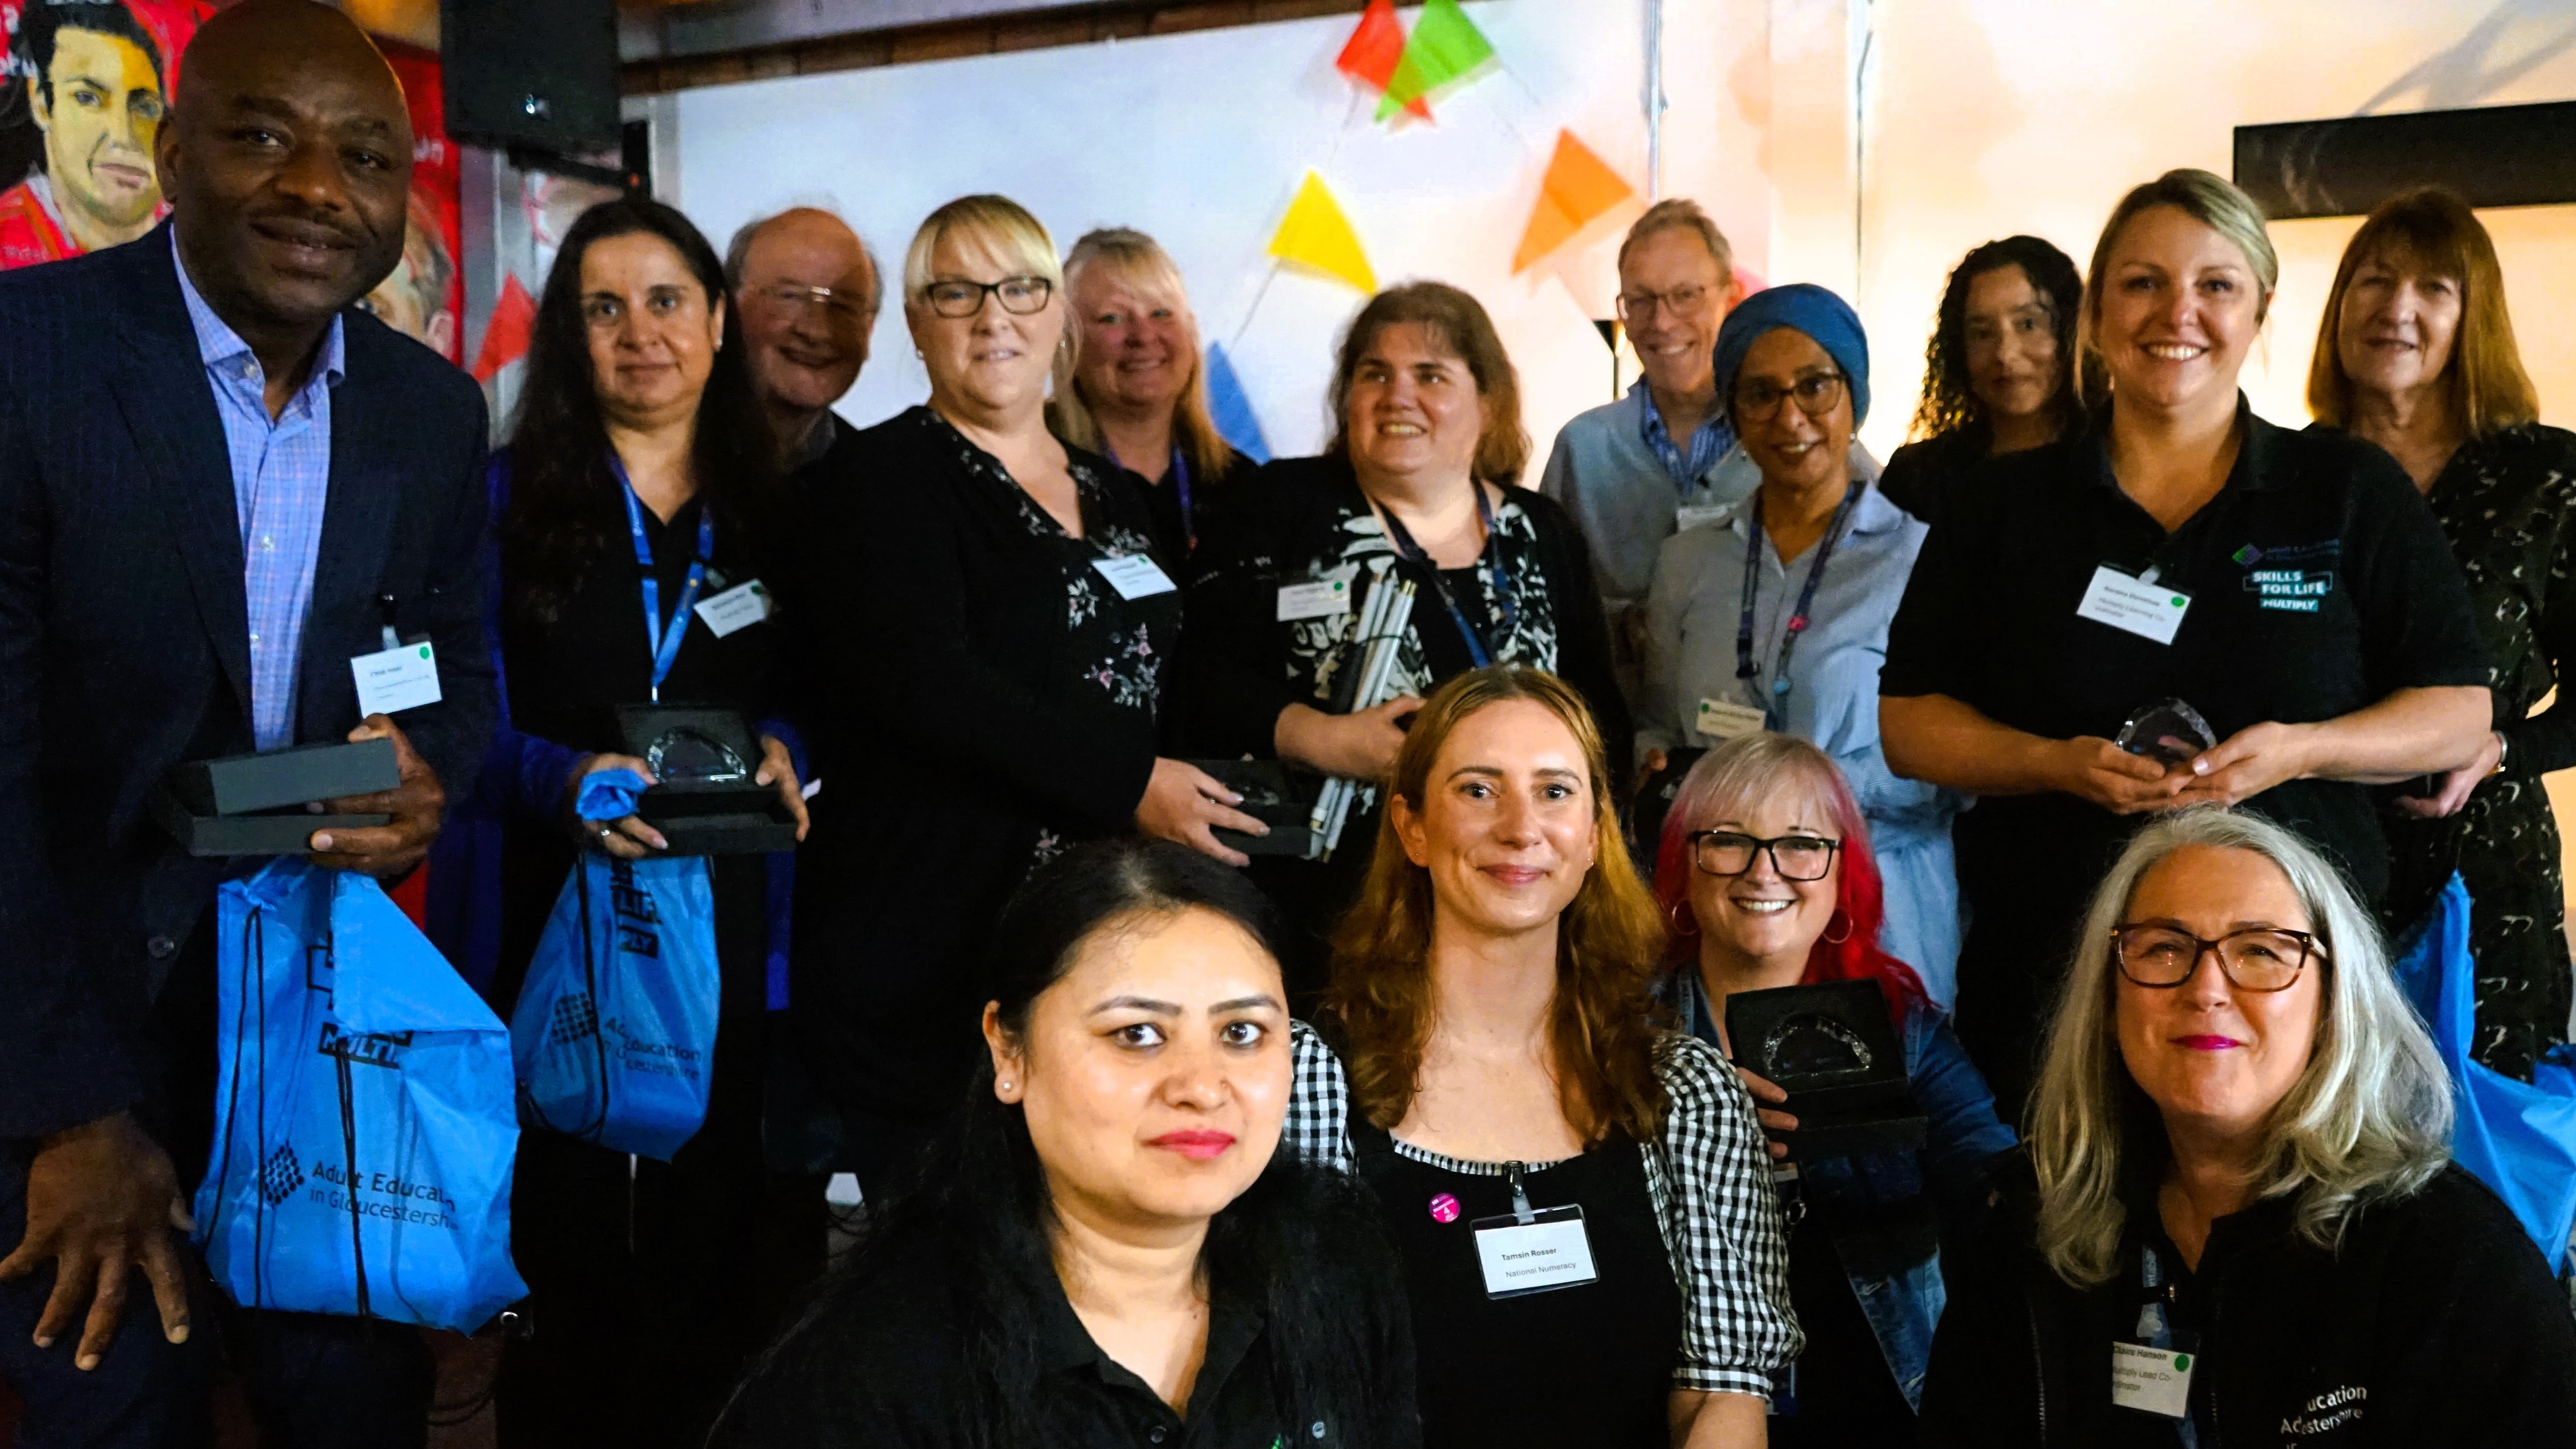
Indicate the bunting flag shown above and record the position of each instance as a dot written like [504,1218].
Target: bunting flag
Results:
[1231,407]
[506,335]
[1370,55]
[1445,51]
[1578,190]
[1314,234]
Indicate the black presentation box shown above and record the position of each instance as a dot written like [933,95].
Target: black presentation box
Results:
[256,804]
[706,802]
[248,784]
[1832,1048]
[1272,796]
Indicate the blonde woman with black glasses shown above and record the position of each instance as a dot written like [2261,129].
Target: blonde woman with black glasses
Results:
[2236,1195]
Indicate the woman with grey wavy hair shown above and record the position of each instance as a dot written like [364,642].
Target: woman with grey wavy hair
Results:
[2237,1189]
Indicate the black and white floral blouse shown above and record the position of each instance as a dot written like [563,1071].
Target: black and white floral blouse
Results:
[1305,521]
[2507,502]
[979,696]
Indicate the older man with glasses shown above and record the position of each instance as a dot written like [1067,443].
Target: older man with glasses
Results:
[808,290]
[1664,456]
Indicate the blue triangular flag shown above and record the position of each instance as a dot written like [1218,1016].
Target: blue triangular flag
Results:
[1232,408]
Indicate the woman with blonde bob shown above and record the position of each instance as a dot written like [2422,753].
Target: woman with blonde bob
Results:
[2416,353]
[984,653]
[1581,1201]
[2237,1193]
[1137,393]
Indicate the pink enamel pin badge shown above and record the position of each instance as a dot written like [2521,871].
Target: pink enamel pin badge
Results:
[1444,1208]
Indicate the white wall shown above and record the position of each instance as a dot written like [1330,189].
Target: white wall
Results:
[1200,139]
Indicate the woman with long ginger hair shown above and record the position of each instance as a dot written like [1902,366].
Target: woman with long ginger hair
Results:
[1768,878]
[1512,1106]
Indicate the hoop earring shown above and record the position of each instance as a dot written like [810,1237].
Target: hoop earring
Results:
[1679,912]
[1847,928]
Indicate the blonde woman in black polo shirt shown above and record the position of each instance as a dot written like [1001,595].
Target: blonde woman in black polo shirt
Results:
[2290,588]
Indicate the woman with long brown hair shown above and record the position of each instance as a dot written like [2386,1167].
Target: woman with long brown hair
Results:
[2416,353]
[1581,1200]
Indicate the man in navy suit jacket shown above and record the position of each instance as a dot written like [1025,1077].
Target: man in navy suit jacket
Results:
[219,482]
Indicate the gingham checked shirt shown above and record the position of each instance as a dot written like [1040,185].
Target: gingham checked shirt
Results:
[281,472]
[1708,1177]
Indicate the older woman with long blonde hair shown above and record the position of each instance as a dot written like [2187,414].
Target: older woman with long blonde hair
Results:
[984,652]
[1138,392]
[2416,353]
[1580,1199]
[2237,1192]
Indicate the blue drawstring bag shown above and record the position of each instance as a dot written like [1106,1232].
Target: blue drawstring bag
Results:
[2519,1138]
[615,1031]
[364,1134]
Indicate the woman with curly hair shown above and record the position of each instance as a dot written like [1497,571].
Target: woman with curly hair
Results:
[1999,375]
[1580,1200]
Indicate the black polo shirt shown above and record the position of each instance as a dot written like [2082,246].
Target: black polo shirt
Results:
[2319,584]
[882,1367]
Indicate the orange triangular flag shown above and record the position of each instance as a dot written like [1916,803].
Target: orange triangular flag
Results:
[1579,189]
[1369,56]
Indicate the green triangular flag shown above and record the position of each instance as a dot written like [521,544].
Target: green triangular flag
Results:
[1444,49]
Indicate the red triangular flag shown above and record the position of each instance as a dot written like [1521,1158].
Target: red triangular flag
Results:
[1369,57]
[505,337]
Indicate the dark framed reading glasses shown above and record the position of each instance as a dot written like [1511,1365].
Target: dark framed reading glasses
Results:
[2263,958]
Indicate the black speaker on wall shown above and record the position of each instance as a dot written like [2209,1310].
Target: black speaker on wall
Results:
[537,73]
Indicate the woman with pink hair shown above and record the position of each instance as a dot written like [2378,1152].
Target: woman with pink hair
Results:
[1766,877]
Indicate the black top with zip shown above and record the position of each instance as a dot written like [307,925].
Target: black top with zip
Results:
[2435,1322]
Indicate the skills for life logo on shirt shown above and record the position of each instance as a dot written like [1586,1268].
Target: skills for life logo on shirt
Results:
[2290,578]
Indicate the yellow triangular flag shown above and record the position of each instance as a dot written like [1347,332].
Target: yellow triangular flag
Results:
[1315,234]
[1579,189]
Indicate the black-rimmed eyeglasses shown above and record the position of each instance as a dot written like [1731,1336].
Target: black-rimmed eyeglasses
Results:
[1795,857]
[1816,394]
[1019,296]
[2264,958]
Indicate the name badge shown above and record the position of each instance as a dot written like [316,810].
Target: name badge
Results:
[739,607]
[2150,611]
[400,678]
[1134,575]
[1723,719]
[1314,600]
[1552,1250]
[1699,515]
[2155,1380]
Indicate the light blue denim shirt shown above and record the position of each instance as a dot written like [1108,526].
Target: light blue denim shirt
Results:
[1886,1212]
[1691,612]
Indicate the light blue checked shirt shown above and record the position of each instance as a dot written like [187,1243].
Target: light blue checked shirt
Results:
[281,474]
[1708,442]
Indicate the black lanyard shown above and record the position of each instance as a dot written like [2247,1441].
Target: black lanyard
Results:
[1411,552]
[1798,620]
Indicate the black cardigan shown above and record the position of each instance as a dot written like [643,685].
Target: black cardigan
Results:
[2437,1309]
[1285,524]
[962,731]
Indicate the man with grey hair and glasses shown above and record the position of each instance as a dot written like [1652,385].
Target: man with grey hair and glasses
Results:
[807,289]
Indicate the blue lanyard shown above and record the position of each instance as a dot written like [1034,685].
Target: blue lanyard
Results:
[1411,552]
[1798,618]
[660,636]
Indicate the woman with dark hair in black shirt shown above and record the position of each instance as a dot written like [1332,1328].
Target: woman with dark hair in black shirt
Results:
[637,480]
[1104,1246]
[990,627]
[1999,375]
[1415,488]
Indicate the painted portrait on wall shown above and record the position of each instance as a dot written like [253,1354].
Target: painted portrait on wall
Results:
[88,84]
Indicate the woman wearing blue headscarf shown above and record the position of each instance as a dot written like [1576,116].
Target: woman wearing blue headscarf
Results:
[1775,616]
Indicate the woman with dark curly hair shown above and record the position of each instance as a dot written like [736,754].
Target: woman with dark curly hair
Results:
[637,480]
[1999,375]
